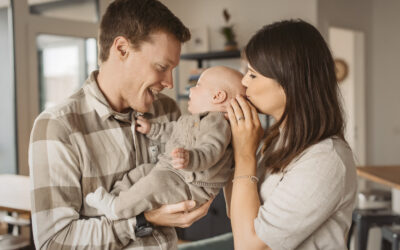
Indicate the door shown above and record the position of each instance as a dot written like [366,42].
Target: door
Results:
[348,46]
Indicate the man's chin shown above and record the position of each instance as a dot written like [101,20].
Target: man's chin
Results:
[141,109]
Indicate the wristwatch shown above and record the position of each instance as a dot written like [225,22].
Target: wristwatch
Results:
[143,227]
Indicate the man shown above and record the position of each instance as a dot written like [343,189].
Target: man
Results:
[89,140]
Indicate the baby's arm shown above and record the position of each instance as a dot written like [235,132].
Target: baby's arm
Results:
[142,125]
[214,139]
[155,131]
[180,158]
[102,201]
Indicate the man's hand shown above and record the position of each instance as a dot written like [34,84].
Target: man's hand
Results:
[142,125]
[180,158]
[177,215]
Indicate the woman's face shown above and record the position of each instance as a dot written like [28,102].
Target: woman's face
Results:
[266,94]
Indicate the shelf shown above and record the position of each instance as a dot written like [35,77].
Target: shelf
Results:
[183,96]
[199,57]
[215,55]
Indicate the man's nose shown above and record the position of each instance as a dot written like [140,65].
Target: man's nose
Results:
[167,82]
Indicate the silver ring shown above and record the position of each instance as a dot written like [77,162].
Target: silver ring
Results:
[240,118]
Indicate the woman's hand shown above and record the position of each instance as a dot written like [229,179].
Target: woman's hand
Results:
[246,127]
[177,215]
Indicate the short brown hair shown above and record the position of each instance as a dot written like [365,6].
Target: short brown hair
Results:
[136,20]
[295,54]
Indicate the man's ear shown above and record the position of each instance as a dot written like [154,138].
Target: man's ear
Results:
[219,96]
[121,47]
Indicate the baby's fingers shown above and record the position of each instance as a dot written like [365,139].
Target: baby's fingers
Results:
[179,163]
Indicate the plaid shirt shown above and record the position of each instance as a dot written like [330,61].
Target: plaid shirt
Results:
[76,147]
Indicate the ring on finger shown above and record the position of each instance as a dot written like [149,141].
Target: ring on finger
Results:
[240,118]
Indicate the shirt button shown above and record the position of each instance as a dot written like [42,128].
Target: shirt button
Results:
[189,177]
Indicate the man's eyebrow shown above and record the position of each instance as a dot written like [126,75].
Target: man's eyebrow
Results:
[170,62]
[252,70]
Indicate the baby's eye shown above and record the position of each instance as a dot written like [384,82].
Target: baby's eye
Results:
[252,75]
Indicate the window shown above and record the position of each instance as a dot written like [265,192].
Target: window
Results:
[8,158]
[64,64]
[77,10]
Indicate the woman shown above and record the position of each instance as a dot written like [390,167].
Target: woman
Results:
[307,179]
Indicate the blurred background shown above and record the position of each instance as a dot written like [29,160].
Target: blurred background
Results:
[48,48]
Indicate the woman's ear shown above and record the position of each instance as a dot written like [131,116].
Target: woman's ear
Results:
[219,97]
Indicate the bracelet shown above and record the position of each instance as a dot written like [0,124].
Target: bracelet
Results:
[252,178]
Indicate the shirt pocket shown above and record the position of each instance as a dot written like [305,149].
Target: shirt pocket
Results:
[153,152]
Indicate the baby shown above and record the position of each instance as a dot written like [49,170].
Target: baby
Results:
[197,161]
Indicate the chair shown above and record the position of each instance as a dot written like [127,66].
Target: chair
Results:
[363,220]
[13,240]
[391,235]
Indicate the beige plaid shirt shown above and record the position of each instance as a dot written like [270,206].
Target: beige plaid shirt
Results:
[76,147]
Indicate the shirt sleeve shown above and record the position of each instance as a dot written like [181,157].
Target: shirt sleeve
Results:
[303,199]
[161,131]
[56,195]
[212,144]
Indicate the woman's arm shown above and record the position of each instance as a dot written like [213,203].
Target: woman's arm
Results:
[245,202]
[228,194]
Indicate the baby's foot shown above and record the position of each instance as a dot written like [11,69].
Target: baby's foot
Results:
[102,201]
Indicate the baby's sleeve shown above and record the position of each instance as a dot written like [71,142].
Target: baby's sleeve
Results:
[212,142]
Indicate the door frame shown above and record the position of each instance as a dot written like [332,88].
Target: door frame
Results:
[26,28]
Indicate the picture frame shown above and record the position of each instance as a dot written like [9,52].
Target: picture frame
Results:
[199,42]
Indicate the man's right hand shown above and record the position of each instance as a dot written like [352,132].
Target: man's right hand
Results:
[177,215]
[143,125]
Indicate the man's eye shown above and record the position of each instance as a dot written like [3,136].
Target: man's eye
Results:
[252,76]
[162,68]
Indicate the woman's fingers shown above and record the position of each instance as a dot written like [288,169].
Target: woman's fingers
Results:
[231,116]
[254,114]
[237,111]
[244,105]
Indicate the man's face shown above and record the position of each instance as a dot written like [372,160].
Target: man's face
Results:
[148,70]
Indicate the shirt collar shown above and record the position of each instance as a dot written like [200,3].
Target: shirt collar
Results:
[99,103]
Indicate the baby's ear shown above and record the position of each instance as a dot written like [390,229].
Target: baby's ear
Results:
[219,96]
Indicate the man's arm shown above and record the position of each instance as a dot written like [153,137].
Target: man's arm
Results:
[56,195]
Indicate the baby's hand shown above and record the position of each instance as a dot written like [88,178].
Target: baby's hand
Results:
[180,158]
[142,125]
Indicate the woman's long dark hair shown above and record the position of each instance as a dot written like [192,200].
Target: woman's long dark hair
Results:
[295,54]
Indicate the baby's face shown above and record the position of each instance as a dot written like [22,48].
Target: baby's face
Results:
[214,89]
[200,96]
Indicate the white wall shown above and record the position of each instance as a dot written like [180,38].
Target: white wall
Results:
[379,20]
[247,17]
[384,91]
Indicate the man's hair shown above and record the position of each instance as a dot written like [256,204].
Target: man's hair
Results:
[136,20]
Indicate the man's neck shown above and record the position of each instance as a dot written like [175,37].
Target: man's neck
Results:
[107,86]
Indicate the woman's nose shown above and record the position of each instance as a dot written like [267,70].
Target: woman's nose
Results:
[244,82]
